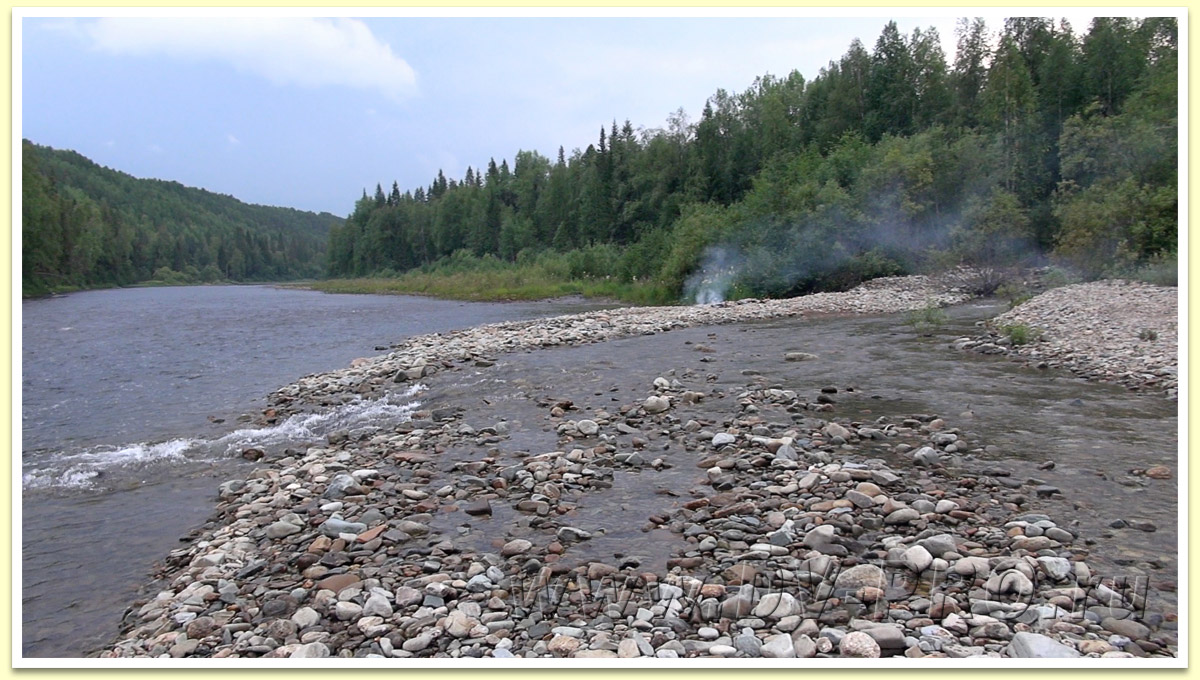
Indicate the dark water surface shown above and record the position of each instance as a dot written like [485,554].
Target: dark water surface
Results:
[130,411]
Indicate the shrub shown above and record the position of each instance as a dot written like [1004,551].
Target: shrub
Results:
[1016,293]
[986,281]
[1021,334]
[1057,277]
[926,319]
[1019,300]
[1148,334]
[995,230]
[1162,270]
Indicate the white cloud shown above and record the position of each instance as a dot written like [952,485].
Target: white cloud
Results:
[233,140]
[300,51]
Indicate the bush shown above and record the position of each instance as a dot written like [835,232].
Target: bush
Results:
[1057,277]
[987,281]
[1015,292]
[995,230]
[700,225]
[1019,300]
[171,277]
[1148,335]
[926,319]
[211,274]
[1021,334]
[593,262]
[643,258]
[1160,271]
[1107,229]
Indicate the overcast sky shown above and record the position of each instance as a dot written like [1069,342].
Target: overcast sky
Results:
[306,113]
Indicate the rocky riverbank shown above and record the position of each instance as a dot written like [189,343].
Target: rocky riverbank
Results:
[424,355]
[1112,331]
[790,529]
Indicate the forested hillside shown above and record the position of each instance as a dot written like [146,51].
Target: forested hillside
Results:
[84,225]
[1033,144]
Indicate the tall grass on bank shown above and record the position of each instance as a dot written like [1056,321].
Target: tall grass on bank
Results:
[1160,271]
[489,279]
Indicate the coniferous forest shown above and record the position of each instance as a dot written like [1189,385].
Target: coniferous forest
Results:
[85,226]
[1036,145]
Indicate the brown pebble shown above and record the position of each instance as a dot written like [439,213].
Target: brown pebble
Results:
[337,583]
[1159,472]
[371,534]
[869,594]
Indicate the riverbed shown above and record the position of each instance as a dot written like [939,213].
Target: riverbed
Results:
[1021,418]
[1081,437]
[135,403]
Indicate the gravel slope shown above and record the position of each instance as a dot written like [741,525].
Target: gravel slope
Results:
[1113,331]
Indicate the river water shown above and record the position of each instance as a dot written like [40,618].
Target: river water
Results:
[1094,434]
[135,402]
[93,525]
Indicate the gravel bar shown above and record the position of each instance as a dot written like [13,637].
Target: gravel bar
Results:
[802,535]
[1112,331]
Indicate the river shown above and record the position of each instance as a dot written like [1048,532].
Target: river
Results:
[93,525]
[135,402]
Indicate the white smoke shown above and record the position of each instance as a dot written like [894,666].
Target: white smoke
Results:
[710,283]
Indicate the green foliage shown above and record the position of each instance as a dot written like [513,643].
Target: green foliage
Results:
[926,319]
[1148,335]
[1015,292]
[1110,228]
[1021,334]
[85,226]
[1162,270]
[1057,277]
[887,160]
[995,230]
[1018,300]
[700,226]
[544,274]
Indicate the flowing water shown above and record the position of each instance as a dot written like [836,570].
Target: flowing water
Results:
[1093,433]
[134,403]
[93,526]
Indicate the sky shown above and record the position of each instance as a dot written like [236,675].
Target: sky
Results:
[307,112]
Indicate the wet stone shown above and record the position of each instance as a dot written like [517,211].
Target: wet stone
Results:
[1038,646]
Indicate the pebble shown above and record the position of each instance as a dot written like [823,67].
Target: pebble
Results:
[517,546]
[777,606]
[352,547]
[1037,646]
[917,558]
[859,645]
[656,404]
[902,516]
[723,439]
[778,647]
[863,575]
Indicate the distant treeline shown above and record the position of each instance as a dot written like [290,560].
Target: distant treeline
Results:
[1033,143]
[84,225]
